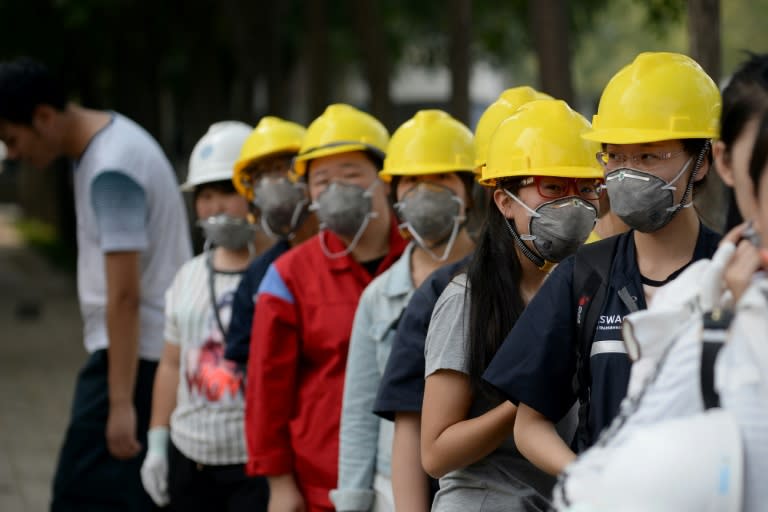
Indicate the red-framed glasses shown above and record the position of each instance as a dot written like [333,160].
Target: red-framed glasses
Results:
[555,187]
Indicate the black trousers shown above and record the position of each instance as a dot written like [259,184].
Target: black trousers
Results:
[198,488]
[88,478]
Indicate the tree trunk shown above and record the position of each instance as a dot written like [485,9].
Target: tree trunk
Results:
[375,58]
[274,67]
[461,20]
[704,37]
[243,45]
[704,34]
[317,57]
[548,21]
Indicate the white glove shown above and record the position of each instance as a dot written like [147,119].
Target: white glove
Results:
[154,470]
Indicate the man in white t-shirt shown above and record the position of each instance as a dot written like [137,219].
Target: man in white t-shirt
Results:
[132,237]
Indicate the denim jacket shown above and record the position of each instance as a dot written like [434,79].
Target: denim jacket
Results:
[365,442]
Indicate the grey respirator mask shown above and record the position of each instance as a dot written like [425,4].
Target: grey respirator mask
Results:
[557,228]
[345,209]
[644,201]
[282,205]
[432,214]
[228,232]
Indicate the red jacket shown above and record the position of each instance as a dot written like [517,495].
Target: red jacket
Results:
[299,342]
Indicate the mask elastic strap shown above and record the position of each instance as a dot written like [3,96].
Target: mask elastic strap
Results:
[458,223]
[356,239]
[575,201]
[537,260]
[352,245]
[251,228]
[271,234]
[449,241]
[670,185]
[296,218]
[208,249]
[691,180]
[298,215]
[531,213]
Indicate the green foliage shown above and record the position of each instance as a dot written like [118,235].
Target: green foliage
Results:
[743,23]
[95,44]
[661,14]
[619,32]
[43,238]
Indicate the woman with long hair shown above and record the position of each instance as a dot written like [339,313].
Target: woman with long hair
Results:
[546,187]
[655,121]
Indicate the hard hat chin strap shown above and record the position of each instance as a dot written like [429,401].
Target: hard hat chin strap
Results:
[537,260]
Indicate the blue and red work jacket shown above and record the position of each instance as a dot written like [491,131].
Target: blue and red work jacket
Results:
[302,323]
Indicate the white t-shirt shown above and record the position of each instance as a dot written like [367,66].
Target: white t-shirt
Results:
[207,424]
[127,199]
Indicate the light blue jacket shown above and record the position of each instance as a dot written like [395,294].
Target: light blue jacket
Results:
[365,443]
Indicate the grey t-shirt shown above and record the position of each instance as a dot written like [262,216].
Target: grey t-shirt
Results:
[503,480]
[127,199]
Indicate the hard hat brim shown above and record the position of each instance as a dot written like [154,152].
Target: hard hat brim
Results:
[245,162]
[223,174]
[421,171]
[301,160]
[633,136]
[560,172]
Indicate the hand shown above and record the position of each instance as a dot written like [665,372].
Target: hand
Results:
[121,431]
[154,471]
[746,260]
[284,495]
[744,263]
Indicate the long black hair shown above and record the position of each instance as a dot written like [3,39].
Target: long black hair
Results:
[746,98]
[495,299]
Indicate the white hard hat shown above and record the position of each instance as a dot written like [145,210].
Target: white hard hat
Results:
[692,463]
[214,155]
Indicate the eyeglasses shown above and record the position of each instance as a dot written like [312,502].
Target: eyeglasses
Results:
[646,161]
[555,187]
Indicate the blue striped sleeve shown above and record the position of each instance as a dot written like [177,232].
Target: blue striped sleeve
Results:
[120,208]
[273,284]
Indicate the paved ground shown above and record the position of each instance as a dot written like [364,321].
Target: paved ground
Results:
[40,353]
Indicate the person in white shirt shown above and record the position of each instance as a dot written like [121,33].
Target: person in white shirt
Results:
[132,236]
[197,402]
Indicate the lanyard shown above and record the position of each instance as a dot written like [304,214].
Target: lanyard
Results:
[212,288]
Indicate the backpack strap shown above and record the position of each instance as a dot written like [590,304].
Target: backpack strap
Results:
[714,333]
[591,269]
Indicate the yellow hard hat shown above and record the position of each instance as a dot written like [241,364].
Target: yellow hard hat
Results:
[272,136]
[660,96]
[543,138]
[506,105]
[431,142]
[341,129]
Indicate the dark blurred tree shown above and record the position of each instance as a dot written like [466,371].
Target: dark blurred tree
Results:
[549,22]
[176,66]
[704,40]
[317,56]
[460,62]
[376,57]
